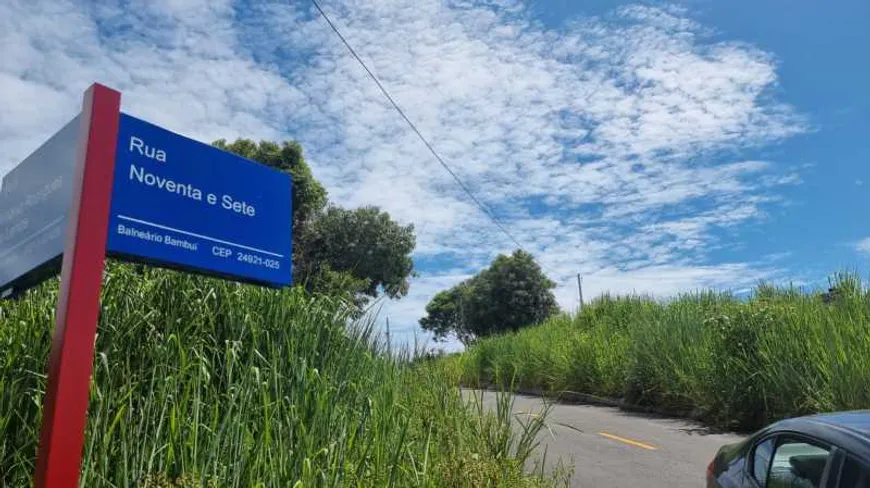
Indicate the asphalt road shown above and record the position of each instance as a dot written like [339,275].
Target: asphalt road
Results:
[615,449]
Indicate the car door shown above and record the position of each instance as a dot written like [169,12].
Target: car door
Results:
[852,473]
[790,460]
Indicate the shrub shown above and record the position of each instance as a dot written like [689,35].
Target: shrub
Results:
[736,363]
[200,382]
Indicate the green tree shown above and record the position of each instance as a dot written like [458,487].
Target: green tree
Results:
[510,294]
[354,254]
[444,314]
[365,243]
[339,284]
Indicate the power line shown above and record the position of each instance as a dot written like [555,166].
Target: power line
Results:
[413,127]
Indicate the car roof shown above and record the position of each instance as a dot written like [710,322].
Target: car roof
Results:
[857,421]
[846,430]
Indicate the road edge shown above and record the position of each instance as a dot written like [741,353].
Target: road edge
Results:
[574,397]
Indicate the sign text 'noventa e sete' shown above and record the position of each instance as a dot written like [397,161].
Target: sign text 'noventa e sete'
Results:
[184,189]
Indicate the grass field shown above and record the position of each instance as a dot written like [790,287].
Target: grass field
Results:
[736,363]
[199,382]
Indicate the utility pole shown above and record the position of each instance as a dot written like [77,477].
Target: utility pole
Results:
[580,289]
[389,339]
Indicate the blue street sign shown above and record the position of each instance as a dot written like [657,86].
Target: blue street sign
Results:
[183,204]
[34,199]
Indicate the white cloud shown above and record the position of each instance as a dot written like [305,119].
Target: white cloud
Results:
[863,246]
[669,280]
[609,147]
[403,314]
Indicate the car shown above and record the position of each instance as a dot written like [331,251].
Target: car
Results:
[817,451]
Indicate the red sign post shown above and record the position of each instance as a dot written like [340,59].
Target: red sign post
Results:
[61,441]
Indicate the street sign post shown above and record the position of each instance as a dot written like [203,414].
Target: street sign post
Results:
[109,183]
[184,204]
[78,305]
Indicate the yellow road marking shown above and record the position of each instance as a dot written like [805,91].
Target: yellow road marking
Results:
[629,441]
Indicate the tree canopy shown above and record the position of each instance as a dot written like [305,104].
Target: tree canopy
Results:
[309,196]
[356,254]
[364,242]
[510,294]
[444,314]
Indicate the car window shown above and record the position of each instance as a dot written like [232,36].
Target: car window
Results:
[854,474]
[761,460]
[797,464]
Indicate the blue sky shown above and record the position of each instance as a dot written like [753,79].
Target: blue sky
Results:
[654,147]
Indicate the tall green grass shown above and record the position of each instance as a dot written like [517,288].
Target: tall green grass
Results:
[200,382]
[736,363]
